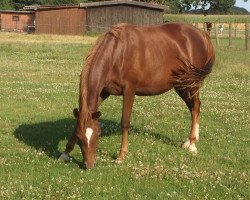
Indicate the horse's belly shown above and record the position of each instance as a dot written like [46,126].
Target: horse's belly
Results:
[153,89]
[154,82]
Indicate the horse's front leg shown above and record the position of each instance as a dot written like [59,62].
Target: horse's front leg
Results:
[71,141]
[128,100]
[69,147]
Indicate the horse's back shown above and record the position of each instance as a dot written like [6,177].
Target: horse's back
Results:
[170,40]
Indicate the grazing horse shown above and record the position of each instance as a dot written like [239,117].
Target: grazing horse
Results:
[131,60]
[220,29]
[209,26]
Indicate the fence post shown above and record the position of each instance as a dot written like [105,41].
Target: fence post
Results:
[216,33]
[235,30]
[205,26]
[247,35]
[230,34]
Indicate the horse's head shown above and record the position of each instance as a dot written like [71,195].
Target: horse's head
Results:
[88,133]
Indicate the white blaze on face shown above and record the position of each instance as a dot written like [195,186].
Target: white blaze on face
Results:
[89,132]
[197,131]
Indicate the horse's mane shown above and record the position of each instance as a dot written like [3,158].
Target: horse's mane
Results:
[83,107]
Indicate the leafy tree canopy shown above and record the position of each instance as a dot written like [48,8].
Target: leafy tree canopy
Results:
[175,6]
[5,5]
[215,6]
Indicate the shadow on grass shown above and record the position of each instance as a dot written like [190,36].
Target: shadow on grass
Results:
[46,136]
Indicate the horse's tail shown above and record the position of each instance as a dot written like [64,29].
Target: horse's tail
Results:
[190,78]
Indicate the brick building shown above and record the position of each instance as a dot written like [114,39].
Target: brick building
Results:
[76,19]
[65,20]
[19,21]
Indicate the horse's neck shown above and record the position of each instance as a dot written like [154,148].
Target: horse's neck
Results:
[96,80]
[97,72]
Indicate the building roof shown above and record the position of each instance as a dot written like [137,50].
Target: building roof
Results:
[16,12]
[124,2]
[40,7]
[99,4]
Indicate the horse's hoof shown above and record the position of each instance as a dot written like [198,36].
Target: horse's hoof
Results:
[186,144]
[190,147]
[64,157]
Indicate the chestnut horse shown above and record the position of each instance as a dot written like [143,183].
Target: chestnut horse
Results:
[134,60]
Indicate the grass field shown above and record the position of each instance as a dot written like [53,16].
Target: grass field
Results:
[39,78]
[191,18]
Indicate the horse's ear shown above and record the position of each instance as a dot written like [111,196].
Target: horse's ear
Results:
[76,112]
[96,115]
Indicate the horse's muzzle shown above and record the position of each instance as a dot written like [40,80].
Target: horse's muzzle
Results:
[88,166]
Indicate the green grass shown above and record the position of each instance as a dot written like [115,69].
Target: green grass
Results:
[39,89]
[191,18]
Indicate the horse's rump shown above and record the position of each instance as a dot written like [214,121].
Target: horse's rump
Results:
[190,78]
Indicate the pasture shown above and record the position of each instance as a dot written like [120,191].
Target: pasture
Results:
[39,79]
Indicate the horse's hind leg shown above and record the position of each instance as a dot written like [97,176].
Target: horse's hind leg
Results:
[193,103]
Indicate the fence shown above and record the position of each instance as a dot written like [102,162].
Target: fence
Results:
[227,30]
[234,25]
[230,30]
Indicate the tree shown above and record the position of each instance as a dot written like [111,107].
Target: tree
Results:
[175,6]
[18,4]
[221,6]
[5,5]
[215,6]
[238,11]
[57,2]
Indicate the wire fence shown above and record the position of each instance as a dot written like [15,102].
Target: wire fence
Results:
[217,30]
[229,31]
